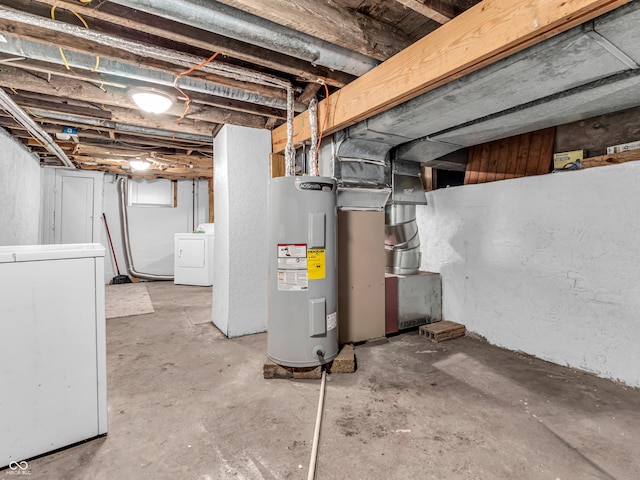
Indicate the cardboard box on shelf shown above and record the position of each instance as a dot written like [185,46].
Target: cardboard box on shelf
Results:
[568,160]
[623,147]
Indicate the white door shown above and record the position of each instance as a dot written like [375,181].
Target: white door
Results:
[74,217]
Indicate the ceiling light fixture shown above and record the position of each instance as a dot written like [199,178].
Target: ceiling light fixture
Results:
[151,100]
[139,165]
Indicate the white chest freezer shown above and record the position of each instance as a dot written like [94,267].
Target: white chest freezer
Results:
[53,358]
[193,257]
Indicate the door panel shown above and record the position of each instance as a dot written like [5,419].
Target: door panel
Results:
[74,212]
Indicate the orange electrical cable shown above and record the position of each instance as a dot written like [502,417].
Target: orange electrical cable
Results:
[187,72]
[324,123]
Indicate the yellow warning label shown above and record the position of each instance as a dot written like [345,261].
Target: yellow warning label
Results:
[316,263]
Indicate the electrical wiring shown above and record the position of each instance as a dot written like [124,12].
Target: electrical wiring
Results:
[324,124]
[62,55]
[187,72]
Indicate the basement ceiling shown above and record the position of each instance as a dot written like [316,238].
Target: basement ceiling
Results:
[72,64]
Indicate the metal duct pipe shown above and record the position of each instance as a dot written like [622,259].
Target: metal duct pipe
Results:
[124,226]
[402,241]
[122,127]
[34,129]
[36,51]
[232,22]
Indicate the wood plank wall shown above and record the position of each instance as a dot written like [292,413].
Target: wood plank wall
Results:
[519,156]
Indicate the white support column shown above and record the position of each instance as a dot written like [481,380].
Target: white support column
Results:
[241,176]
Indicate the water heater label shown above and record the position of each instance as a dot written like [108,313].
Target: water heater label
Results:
[296,250]
[332,321]
[292,267]
[316,263]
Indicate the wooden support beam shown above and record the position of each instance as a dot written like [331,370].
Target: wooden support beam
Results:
[611,159]
[435,10]
[21,80]
[48,35]
[110,80]
[144,22]
[61,107]
[484,34]
[331,22]
[308,93]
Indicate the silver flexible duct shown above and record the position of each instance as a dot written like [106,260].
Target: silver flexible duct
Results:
[290,151]
[313,123]
[12,108]
[124,226]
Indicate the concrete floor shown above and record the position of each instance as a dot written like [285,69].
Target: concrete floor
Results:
[186,403]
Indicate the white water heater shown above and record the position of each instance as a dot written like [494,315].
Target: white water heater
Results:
[303,318]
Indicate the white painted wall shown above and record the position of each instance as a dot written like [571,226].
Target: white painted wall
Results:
[547,265]
[152,229]
[241,173]
[19,193]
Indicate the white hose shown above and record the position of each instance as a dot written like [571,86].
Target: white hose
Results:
[316,434]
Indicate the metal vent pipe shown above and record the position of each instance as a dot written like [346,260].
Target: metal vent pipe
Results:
[231,22]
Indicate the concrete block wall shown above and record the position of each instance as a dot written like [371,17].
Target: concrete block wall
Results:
[547,265]
[19,193]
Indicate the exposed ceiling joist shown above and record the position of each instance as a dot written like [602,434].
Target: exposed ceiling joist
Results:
[180,32]
[56,34]
[424,66]
[21,80]
[436,10]
[326,20]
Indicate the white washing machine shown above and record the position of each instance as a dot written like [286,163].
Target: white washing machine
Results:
[193,257]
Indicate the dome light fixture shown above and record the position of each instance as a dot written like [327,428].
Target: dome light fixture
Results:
[151,100]
[139,165]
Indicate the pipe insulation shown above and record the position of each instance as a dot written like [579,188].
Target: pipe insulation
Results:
[316,433]
[124,226]
[119,70]
[34,129]
[313,124]
[151,51]
[231,22]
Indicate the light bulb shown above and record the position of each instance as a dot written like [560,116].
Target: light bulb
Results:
[139,165]
[150,100]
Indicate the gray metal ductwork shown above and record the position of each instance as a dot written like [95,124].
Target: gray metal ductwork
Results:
[234,23]
[121,71]
[402,240]
[587,71]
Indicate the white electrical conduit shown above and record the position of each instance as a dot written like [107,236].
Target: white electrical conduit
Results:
[124,226]
[7,103]
[313,122]
[316,434]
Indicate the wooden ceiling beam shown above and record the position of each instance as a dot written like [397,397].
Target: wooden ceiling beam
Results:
[436,10]
[61,107]
[22,80]
[106,136]
[151,173]
[143,22]
[457,48]
[309,92]
[122,83]
[332,23]
[69,41]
